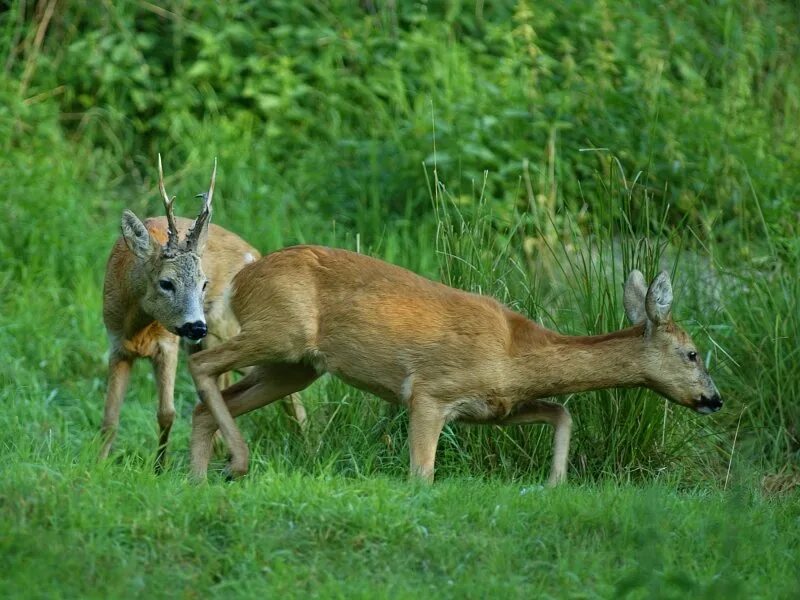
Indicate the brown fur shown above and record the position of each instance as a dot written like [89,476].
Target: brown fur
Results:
[133,333]
[444,353]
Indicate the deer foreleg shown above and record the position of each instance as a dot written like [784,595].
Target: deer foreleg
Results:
[205,367]
[260,387]
[119,373]
[426,420]
[165,363]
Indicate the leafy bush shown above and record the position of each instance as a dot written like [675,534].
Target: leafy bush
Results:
[700,96]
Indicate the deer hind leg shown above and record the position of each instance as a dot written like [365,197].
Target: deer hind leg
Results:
[119,373]
[262,386]
[165,364]
[542,411]
[426,420]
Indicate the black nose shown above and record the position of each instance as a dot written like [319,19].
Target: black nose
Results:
[193,331]
[714,403]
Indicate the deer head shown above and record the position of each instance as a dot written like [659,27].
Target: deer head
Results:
[673,367]
[175,283]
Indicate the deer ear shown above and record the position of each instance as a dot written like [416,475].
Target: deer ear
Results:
[136,236]
[634,297]
[659,299]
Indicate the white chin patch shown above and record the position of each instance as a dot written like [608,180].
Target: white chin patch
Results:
[704,410]
[192,342]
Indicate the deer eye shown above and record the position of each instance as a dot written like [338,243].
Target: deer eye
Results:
[205,285]
[692,356]
[166,285]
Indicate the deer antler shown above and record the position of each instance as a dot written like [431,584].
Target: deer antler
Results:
[201,222]
[172,242]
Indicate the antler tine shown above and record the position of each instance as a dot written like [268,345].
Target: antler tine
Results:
[210,194]
[173,230]
[205,213]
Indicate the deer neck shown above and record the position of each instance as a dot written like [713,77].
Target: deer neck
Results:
[570,364]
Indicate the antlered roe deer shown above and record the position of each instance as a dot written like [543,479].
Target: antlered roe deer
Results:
[165,279]
[443,353]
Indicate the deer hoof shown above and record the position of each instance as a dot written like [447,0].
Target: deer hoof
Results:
[233,471]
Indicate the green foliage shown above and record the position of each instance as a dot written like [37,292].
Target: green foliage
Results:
[701,96]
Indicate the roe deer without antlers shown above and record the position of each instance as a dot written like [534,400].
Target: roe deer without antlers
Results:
[443,353]
[165,279]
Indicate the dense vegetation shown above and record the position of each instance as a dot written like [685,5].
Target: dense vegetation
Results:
[532,150]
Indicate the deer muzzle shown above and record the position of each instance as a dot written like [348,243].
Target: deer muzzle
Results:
[195,330]
[707,405]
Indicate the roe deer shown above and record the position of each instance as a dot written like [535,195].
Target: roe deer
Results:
[443,353]
[166,278]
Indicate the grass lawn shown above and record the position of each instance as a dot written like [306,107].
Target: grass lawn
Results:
[73,529]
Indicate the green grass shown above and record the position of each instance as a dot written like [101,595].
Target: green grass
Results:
[75,529]
[533,151]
